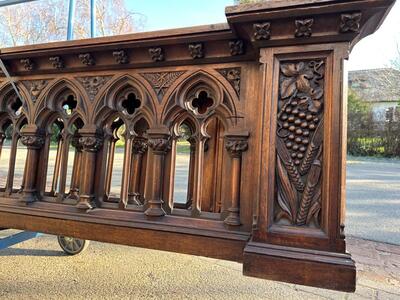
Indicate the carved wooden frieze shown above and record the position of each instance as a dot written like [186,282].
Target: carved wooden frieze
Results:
[93,84]
[161,81]
[35,87]
[299,142]
[233,76]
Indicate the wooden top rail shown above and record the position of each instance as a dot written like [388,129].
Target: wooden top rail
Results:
[225,140]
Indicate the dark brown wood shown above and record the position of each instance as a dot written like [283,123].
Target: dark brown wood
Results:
[262,98]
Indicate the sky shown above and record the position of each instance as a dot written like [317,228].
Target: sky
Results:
[374,51]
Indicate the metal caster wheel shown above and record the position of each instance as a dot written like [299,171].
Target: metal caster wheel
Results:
[72,246]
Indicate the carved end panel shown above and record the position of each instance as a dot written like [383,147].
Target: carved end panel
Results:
[299,137]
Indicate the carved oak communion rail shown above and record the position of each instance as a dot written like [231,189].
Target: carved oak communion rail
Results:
[259,105]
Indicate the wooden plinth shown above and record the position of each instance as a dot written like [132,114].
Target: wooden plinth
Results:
[300,266]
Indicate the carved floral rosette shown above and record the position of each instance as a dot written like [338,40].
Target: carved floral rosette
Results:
[299,142]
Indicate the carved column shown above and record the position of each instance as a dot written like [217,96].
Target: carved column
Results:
[56,173]
[34,142]
[11,164]
[192,160]
[76,168]
[139,148]
[91,143]
[235,145]
[198,174]
[159,142]
[110,163]
[126,172]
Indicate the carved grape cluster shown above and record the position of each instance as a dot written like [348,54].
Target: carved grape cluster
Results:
[300,125]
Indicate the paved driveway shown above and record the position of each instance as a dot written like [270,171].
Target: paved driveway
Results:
[373,199]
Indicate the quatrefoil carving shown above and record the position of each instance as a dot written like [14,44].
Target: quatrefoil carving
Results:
[130,103]
[202,103]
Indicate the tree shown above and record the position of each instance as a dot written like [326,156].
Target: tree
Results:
[46,20]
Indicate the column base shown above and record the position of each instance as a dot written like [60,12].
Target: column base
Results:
[85,203]
[29,197]
[321,269]
[154,212]
[233,219]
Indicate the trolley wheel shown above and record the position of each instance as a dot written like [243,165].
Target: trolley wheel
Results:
[72,246]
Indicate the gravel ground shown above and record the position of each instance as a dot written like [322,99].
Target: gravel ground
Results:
[37,269]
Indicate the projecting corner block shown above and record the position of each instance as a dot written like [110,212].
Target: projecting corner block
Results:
[321,269]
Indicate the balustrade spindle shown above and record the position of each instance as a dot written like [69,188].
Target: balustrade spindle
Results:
[159,142]
[56,172]
[192,160]
[235,145]
[91,143]
[76,169]
[33,141]
[11,166]
[126,172]
[139,148]
[198,175]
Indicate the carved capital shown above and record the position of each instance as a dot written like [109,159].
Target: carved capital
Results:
[27,63]
[196,50]
[32,141]
[236,146]
[75,143]
[87,59]
[121,57]
[156,54]
[262,31]
[57,62]
[350,22]
[91,143]
[303,28]
[139,146]
[236,47]
[160,145]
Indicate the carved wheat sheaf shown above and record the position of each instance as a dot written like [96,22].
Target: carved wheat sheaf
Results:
[299,142]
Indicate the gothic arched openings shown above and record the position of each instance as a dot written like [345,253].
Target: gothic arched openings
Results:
[124,152]
[12,151]
[207,110]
